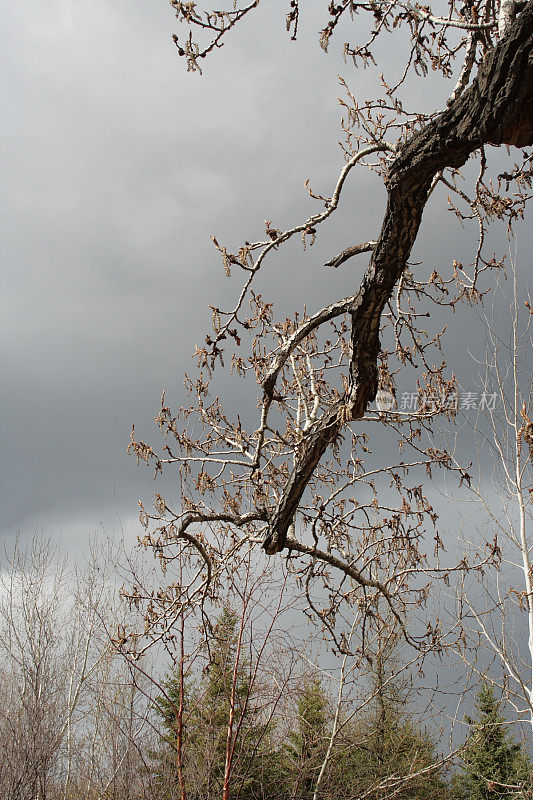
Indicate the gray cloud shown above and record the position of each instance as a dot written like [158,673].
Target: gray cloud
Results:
[117,166]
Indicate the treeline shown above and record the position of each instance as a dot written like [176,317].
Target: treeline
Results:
[281,754]
[380,753]
[228,719]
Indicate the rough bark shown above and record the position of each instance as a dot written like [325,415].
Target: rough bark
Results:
[496,109]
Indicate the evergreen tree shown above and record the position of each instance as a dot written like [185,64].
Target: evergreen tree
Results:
[495,766]
[386,744]
[211,716]
[405,751]
[167,706]
[308,741]
[165,758]
[390,757]
[256,771]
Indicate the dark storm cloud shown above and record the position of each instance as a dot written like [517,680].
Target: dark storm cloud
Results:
[117,166]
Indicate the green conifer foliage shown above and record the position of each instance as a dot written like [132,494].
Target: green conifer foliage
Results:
[387,757]
[256,772]
[167,706]
[384,752]
[210,720]
[495,766]
[308,741]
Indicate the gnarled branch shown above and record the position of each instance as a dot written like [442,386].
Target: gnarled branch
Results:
[497,109]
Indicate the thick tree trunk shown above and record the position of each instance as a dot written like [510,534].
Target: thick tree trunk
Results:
[496,109]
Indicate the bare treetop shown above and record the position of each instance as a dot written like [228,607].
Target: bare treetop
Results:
[304,478]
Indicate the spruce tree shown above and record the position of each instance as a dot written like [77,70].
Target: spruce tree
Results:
[495,766]
[256,771]
[166,706]
[212,713]
[165,757]
[307,742]
[385,752]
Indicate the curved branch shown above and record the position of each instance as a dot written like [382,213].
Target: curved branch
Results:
[496,109]
[349,252]
[352,572]
[331,205]
[192,517]
[466,69]
[324,315]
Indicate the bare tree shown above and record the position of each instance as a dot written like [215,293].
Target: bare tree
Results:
[216,669]
[113,754]
[48,651]
[304,477]
[71,724]
[497,610]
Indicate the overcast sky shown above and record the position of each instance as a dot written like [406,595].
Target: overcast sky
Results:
[117,166]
